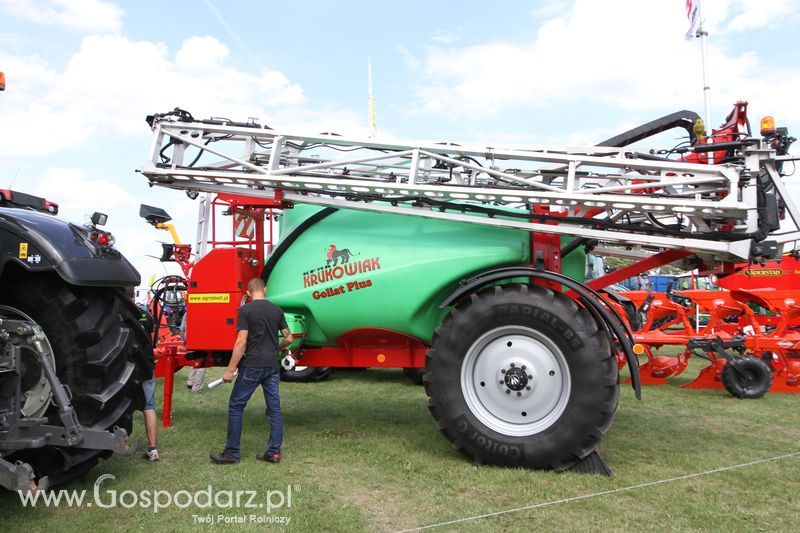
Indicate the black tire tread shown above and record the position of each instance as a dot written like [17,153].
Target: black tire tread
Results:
[415,374]
[307,375]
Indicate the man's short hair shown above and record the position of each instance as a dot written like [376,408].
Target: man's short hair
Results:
[256,285]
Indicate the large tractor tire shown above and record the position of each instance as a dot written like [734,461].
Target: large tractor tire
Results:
[520,375]
[100,353]
[306,374]
[747,377]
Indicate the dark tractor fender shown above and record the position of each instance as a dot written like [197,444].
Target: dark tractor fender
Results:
[37,242]
[605,315]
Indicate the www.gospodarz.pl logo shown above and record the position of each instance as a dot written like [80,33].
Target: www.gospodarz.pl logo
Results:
[155,500]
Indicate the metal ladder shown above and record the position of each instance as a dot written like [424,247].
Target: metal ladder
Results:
[612,195]
[203,217]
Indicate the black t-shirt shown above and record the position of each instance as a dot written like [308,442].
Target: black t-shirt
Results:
[147,324]
[262,320]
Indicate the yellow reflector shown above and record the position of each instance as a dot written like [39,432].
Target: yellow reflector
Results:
[699,129]
[767,125]
[638,349]
[2,82]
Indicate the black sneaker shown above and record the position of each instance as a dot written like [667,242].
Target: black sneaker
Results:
[269,457]
[223,458]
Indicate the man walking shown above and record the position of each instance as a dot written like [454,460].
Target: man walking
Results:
[255,354]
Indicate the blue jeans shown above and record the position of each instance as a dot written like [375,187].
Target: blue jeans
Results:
[149,388]
[245,385]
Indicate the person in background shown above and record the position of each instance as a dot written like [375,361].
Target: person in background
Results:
[256,356]
[197,376]
[150,420]
[148,386]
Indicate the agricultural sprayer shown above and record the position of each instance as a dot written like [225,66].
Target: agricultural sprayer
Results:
[466,261]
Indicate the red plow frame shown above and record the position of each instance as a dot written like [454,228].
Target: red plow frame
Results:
[757,315]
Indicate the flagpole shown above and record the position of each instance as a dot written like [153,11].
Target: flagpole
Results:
[702,34]
[706,87]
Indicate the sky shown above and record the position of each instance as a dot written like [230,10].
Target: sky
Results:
[82,75]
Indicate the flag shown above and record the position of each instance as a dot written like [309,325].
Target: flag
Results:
[693,14]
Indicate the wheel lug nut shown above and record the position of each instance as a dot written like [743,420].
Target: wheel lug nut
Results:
[508,391]
[501,382]
[523,367]
[528,387]
[530,376]
[552,372]
[503,371]
[512,365]
[519,393]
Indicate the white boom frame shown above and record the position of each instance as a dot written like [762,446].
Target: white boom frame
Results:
[386,176]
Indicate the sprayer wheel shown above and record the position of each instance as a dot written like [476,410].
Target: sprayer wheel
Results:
[306,374]
[414,374]
[520,375]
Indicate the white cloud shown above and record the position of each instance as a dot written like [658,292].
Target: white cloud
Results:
[77,15]
[13,40]
[98,101]
[200,53]
[411,61]
[628,54]
[112,83]
[547,9]
[79,195]
[743,15]
[330,119]
[445,37]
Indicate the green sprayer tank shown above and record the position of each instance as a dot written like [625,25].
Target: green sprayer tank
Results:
[351,269]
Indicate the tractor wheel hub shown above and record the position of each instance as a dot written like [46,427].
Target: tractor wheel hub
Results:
[516,379]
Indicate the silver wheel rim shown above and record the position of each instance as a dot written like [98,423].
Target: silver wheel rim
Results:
[516,381]
[36,399]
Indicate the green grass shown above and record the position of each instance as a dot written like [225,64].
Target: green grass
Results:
[365,454]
